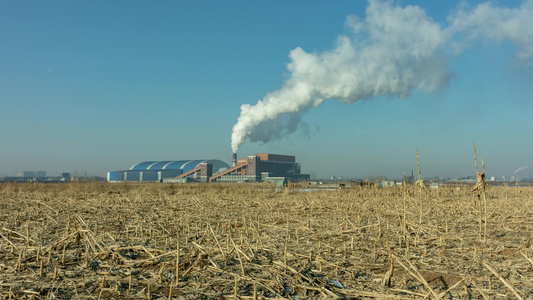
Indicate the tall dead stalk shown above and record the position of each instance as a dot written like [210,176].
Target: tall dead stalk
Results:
[481,190]
[420,184]
[404,225]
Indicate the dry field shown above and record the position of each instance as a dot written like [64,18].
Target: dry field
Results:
[244,241]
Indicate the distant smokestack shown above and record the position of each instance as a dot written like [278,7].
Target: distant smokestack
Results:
[234,159]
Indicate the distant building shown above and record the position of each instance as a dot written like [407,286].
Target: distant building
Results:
[27,174]
[32,174]
[65,177]
[159,171]
[263,167]
[386,183]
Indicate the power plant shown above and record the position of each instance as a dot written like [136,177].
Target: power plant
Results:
[260,167]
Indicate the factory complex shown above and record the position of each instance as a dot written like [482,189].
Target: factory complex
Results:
[260,167]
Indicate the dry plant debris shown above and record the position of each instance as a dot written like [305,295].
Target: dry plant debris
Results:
[245,241]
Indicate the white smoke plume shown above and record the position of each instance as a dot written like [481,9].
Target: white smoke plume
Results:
[392,51]
[520,169]
[496,25]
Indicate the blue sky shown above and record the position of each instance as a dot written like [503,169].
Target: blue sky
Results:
[94,86]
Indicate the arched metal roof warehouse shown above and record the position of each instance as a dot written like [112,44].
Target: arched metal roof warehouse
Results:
[159,170]
[184,165]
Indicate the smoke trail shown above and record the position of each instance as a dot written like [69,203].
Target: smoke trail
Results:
[392,51]
[520,169]
[491,24]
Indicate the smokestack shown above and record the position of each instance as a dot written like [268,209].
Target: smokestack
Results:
[234,159]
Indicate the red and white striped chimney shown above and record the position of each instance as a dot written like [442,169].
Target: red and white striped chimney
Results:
[234,159]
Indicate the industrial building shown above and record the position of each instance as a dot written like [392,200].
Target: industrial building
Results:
[261,167]
[32,174]
[159,171]
[36,176]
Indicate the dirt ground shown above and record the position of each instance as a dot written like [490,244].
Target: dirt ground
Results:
[246,241]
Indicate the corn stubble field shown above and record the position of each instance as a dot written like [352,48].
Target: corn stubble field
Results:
[245,241]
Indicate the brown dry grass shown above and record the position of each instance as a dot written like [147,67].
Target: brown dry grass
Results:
[118,241]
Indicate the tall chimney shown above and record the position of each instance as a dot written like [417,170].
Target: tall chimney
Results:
[234,159]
